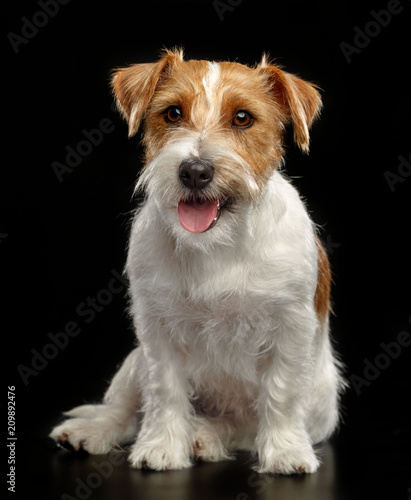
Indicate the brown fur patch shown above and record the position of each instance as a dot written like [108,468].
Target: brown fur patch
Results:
[322,292]
[135,85]
[298,100]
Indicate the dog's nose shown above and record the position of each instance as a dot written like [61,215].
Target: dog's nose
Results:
[196,174]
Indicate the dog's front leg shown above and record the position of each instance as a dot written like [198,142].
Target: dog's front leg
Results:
[165,440]
[283,444]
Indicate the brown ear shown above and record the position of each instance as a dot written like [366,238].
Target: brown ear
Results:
[298,100]
[134,87]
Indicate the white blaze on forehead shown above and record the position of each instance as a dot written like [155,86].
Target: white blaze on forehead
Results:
[210,103]
[211,79]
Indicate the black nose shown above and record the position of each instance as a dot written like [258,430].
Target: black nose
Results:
[196,173]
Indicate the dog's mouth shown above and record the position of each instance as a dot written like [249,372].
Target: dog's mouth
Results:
[197,214]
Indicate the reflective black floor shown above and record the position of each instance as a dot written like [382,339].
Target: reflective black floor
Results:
[372,463]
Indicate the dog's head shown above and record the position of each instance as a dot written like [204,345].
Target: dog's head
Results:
[213,135]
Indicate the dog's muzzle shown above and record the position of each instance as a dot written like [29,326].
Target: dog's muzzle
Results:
[197,213]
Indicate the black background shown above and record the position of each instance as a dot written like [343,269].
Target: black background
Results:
[61,240]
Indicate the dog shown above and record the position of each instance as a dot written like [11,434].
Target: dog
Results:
[229,282]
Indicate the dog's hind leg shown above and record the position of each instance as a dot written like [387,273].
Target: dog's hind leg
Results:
[99,428]
[327,387]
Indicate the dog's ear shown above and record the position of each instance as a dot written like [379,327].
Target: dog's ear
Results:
[135,85]
[298,100]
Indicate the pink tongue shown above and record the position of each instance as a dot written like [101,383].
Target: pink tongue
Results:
[197,215]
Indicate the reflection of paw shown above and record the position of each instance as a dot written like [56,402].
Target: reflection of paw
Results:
[92,435]
[289,462]
[162,456]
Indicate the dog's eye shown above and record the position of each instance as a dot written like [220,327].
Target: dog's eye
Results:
[173,114]
[242,119]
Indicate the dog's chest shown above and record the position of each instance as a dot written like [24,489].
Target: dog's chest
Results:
[219,309]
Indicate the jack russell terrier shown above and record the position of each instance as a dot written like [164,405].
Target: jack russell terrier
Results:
[229,283]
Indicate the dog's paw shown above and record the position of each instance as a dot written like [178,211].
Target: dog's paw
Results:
[210,450]
[158,457]
[289,462]
[207,445]
[91,435]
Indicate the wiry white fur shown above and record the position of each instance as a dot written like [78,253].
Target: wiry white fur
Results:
[233,329]
[231,353]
